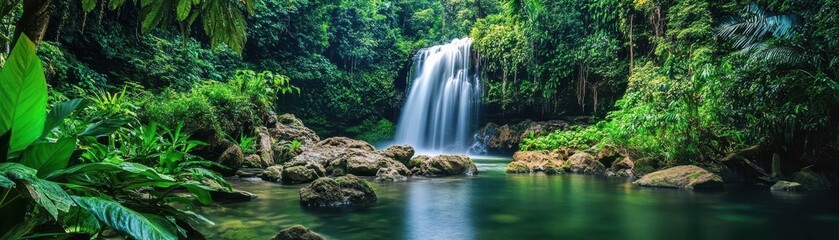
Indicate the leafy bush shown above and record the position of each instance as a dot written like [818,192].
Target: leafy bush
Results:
[43,189]
[373,131]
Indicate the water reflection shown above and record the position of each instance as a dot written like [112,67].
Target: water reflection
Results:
[441,210]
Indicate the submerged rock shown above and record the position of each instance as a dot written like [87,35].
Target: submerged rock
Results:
[249,172]
[389,175]
[234,196]
[272,174]
[346,190]
[686,176]
[448,165]
[811,180]
[536,161]
[784,186]
[582,162]
[297,232]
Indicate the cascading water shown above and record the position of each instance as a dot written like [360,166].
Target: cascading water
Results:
[443,102]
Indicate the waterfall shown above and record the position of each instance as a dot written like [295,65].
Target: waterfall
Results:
[443,101]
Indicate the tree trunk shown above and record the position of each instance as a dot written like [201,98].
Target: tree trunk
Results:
[34,20]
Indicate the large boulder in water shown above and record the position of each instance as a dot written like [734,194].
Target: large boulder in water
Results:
[302,172]
[297,232]
[536,161]
[401,153]
[340,156]
[272,174]
[811,180]
[582,162]
[686,176]
[447,165]
[342,191]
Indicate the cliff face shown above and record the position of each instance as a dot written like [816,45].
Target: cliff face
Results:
[505,139]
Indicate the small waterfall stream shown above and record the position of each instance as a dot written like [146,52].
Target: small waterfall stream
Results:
[442,107]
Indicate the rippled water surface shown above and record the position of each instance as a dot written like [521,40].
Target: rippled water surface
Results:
[494,205]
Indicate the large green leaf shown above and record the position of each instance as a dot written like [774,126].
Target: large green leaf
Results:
[48,157]
[103,128]
[125,220]
[23,96]
[59,112]
[46,194]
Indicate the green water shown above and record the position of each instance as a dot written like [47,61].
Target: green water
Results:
[494,205]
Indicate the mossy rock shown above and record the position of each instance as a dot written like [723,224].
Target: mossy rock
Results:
[517,167]
[686,176]
[342,191]
[297,232]
[811,180]
[298,174]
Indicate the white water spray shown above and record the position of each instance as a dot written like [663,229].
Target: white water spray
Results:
[443,102]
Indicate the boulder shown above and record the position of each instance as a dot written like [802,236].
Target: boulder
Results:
[302,173]
[285,151]
[232,159]
[537,161]
[623,167]
[582,162]
[368,164]
[264,145]
[297,232]
[401,153]
[517,167]
[389,175]
[235,196]
[495,139]
[448,165]
[289,128]
[346,190]
[344,142]
[607,155]
[811,180]
[253,161]
[686,176]
[784,186]
[272,174]
[417,161]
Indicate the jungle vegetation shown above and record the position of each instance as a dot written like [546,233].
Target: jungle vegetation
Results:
[139,88]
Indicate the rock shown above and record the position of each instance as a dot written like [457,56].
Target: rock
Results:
[346,190]
[401,153]
[417,161]
[644,166]
[301,173]
[368,164]
[537,161]
[273,174]
[344,142]
[505,139]
[297,232]
[253,161]
[811,180]
[285,151]
[232,159]
[517,167]
[686,176]
[389,175]
[448,165]
[623,167]
[234,196]
[582,162]
[290,128]
[249,172]
[264,146]
[607,155]
[784,186]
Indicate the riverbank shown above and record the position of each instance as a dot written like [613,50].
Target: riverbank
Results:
[495,205]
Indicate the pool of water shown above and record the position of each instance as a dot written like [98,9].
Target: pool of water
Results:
[494,205]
